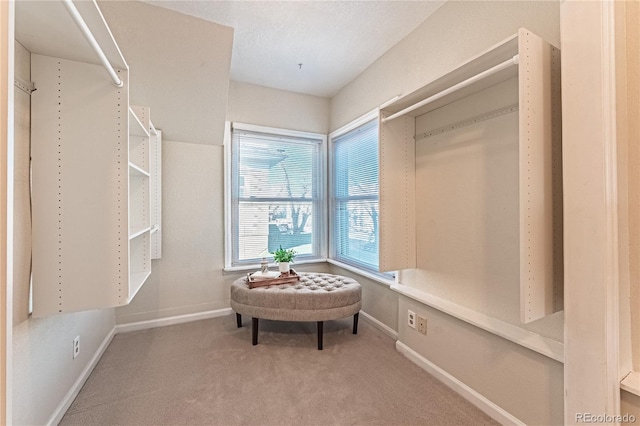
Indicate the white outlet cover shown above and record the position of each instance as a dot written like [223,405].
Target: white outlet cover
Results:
[411,319]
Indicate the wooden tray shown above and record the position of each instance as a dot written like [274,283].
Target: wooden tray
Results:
[291,277]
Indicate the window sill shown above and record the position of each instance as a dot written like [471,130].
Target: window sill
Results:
[256,266]
[354,269]
[366,274]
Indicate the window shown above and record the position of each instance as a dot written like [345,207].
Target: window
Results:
[276,193]
[354,197]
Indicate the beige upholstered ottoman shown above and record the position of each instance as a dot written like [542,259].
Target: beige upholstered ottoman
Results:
[316,297]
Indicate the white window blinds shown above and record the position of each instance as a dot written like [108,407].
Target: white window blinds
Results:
[355,196]
[276,195]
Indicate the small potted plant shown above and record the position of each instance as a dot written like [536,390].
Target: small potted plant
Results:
[283,257]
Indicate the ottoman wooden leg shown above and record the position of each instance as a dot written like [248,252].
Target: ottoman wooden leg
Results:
[355,322]
[254,330]
[320,325]
[239,320]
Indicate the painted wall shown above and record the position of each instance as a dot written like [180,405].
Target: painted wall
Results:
[190,278]
[179,66]
[468,28]
[453,34]
[253,104]
[630,404]
[43,366]
[378,300]
[522,382]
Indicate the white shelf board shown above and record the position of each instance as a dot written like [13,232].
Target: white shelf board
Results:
[136,279]
[137,170]
[136,128]
[528,339]
[495,55]
[134,233]
[46,28]
[631,383]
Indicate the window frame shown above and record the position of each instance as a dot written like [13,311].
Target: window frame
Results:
[333,257]
[231,229]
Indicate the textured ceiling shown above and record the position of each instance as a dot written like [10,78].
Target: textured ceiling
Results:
[333,40]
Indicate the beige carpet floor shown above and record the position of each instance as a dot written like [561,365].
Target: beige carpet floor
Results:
[208,373]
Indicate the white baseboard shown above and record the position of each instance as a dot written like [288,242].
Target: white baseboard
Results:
[379,325]
[68,399]
[492,410]
[178,319]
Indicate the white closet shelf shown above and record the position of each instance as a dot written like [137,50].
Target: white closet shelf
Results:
[136,128]
[137,170]
[134,233]
[502,53]
[153,129]
[631,383]
[136,279]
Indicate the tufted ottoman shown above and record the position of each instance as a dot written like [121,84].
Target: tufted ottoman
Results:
[316,297]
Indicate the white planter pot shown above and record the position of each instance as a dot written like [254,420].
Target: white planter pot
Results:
[283,267]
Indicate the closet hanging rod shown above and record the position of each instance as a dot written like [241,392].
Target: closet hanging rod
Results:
[504,65]
[71,8]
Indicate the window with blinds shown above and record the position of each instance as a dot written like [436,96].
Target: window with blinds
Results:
[354,196]
[276,194]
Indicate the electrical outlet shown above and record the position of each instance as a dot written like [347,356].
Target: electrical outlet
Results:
[76,347]
[421,324]
[411,319]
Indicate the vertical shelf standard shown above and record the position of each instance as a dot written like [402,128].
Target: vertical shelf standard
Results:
[540,165]
[155,171]
[397,158]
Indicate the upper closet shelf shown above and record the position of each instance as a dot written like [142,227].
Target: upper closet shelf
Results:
[48,28]
[497,64]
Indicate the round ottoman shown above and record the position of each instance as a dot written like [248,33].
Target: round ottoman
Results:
[316,297]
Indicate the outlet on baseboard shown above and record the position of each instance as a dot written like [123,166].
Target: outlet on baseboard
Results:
[76,347]
[421,325]
[411,319]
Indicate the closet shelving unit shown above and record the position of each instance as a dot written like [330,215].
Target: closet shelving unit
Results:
[536,65]
[91,166]
[139,198]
